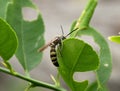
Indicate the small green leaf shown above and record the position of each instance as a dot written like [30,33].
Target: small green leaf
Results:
[8,41]
[94,85]
[30,34]
[104,71]
[115,39]
[76,56]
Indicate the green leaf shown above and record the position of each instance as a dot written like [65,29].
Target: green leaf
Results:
[115,39]
[76,56]
[8,41]
[94,85]
[30,34]
[104,71]
[3,8]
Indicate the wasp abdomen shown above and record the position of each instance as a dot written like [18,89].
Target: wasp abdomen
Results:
[53,55]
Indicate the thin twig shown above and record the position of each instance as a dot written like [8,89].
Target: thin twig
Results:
[32,81]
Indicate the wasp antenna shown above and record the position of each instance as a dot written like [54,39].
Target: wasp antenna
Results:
[71,32]
[62,29]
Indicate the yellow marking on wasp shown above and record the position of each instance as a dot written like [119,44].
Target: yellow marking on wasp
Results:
[52,53]
[52,48]
[53,58]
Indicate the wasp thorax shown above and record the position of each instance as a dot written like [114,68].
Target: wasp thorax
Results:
[57,40]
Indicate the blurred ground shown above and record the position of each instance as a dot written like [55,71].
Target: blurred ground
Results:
[63,12]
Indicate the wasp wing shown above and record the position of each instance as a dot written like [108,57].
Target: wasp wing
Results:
[48,44]
[44,47]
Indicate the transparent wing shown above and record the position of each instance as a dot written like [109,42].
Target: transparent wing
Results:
[44,47]
[48,44]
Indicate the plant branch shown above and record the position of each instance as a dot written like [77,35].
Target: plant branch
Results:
[32,81]
[87,14]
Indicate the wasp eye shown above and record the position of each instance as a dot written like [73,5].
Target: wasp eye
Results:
[63,37]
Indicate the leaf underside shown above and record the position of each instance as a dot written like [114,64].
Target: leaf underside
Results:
[104,71]
[30,34]
[3,8]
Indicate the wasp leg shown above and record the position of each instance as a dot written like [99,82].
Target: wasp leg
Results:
[59,47]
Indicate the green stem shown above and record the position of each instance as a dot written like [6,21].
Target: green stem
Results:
[83,21]
[86,15]
[32,81]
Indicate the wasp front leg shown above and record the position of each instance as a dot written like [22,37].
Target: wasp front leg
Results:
[59,47]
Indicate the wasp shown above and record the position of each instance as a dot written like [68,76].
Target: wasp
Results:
[53,43]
